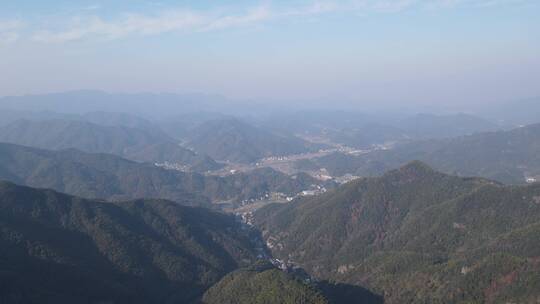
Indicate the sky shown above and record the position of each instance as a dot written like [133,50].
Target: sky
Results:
[355,51]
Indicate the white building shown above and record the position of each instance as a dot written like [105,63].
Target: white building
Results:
[530,180]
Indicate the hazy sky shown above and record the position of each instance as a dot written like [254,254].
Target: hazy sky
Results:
[357,50]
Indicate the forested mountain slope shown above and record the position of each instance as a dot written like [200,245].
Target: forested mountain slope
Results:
[108,176]
[261,284]
[236,141]
[57,248]
[140,144]
[416,235]
[506,156]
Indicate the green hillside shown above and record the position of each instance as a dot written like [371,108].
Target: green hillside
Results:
[236,141]
[506,156]
[139,144]
[107,176]
[415,235]
[262,284]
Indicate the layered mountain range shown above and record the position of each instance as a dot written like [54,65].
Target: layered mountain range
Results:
[139,144]
[173,200]
[507,156]
[107,176]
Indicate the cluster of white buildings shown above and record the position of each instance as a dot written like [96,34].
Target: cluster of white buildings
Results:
[173,166]
[315,191]
[275,158]
[282,197]
[531,180]
[345,178]
[247,201]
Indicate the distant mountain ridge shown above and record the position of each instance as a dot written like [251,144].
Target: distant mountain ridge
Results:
[416,235]
[108,176]
[520,112]
[429,126]
[236,141]
[140,144]
[412,128]
[148,105]
[506,156]
[114,119]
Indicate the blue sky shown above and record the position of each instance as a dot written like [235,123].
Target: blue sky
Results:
[355,51]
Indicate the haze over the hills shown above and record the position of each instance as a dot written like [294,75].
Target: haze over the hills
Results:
[440,54]
[507,156]
[270,152]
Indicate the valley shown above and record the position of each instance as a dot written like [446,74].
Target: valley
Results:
[270,152]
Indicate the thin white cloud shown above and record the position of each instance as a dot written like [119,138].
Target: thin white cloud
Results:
[93,7]
[9,31]
[8,38]
[173,21]
[256,15]
[378,6]
[442,4]
[316,8]
[400,5]
[487,3]
[130,24]
[137,24]
[183,20]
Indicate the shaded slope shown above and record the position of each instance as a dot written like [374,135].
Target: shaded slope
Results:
[61,249]
[140,144]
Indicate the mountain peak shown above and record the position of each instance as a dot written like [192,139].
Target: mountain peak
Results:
[6,186]
[414,168]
